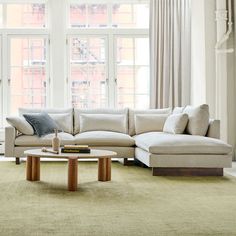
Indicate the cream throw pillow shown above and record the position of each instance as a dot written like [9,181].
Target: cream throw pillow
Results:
[21,125]
[149,122]
[63,121]
[198,119]
[103,122]
[176,123]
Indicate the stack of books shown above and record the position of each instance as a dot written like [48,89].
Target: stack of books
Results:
[75,149]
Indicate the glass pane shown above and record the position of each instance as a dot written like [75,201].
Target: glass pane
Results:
[132,71]
[88,72]
[27,73]
[88,15]
[26,15]
[78,15]
[125,51]
[130,15]
[97,15]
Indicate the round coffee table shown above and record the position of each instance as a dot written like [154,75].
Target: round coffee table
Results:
[103,156]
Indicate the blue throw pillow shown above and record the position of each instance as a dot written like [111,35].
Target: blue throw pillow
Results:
[42,123]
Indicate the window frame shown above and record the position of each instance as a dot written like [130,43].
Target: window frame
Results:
[111,33]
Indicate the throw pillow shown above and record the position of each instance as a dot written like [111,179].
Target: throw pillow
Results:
[21,125]
[176,123]
[149,122]
[63,121]
[178,110]
[42,123]
[198,119]
[104,122]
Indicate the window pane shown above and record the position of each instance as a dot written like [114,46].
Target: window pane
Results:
[88,72]
[78,15]
[130,15]
[26,15]
[132,71]
[88,15]
[27,73]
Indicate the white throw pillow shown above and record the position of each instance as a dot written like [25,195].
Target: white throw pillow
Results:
[63,121]
[176,123]
[149,122]
[178,110]
[21,125]
[103,122]
[198,119]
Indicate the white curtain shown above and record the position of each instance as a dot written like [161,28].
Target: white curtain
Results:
[170,52]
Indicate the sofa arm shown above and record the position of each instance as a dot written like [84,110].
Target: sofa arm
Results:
[214,129]
[10,135]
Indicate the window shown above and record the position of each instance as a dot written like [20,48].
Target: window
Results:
[25,68]
[25,15]
[108,54]
[27,79]
[132,72]
[130,15]
[88,72]
[88,15]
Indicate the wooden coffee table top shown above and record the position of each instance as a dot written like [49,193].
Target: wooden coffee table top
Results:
[95,153]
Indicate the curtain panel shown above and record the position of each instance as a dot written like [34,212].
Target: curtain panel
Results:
[170,53]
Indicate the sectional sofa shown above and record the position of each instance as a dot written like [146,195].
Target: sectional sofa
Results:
[132,133]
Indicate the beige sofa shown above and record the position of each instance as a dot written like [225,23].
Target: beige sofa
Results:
[166,153]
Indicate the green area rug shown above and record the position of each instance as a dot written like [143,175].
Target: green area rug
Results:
[133,203]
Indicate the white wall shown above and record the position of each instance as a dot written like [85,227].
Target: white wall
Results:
[213,77]
[198,59]
[203,53]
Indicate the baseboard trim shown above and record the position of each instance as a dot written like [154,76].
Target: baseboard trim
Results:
[163,171]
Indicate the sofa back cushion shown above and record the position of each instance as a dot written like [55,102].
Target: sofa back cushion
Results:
[198,119]
[105,111]
[149,122]
[103,122]
[62,117]
[133,112]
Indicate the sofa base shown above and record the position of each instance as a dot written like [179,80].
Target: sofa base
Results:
[163,171]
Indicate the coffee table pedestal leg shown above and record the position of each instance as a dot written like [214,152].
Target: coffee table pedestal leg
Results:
[29,168]
[33,168]
[104,169]
[72,174]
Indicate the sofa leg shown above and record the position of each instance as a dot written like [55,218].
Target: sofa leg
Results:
[17,161]
[162,171]
[125,161]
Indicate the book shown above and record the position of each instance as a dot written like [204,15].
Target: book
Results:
[81,147]
[63,150]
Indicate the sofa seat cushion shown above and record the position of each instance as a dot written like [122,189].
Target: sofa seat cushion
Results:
[29,140]
[164,143]
[104,138]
